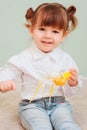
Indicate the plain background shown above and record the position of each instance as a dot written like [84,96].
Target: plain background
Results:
[14,37]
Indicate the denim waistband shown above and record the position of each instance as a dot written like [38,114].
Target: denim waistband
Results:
[56,99]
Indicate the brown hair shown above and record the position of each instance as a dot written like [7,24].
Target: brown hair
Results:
[52,14]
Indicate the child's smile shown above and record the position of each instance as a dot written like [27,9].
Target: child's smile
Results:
[47,38]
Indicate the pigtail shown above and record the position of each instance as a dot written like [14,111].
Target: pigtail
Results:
[71,18]
[29,15]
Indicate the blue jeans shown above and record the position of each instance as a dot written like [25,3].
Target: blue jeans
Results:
[54,114]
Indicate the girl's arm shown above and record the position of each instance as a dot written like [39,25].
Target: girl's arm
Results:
[9,76]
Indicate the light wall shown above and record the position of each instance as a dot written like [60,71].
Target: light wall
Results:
[14,37]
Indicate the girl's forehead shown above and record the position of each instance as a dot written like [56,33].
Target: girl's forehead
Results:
[49,27]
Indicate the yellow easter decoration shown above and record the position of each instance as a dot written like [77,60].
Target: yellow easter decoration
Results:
[58,81]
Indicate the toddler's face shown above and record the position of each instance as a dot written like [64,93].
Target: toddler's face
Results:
[47,38]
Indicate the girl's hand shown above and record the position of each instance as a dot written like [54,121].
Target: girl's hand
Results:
[7,85]
[73,80]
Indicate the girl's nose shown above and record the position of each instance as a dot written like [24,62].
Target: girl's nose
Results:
[47,34]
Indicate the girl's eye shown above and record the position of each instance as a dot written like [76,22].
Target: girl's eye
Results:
[42,29]
[55,31]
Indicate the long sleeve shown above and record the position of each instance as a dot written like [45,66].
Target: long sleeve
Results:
[9,72]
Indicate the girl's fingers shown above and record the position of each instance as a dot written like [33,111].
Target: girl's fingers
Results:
[7,86]
[73,80]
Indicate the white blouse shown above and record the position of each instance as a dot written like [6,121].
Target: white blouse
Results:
[33,66]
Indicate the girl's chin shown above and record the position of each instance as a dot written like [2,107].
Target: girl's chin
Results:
[45,51]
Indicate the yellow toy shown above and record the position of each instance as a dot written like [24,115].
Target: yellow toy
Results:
[58,81]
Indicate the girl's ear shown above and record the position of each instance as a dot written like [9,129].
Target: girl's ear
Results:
[65,35]
[31,31]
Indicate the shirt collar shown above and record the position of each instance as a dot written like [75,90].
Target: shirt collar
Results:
[37,54]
